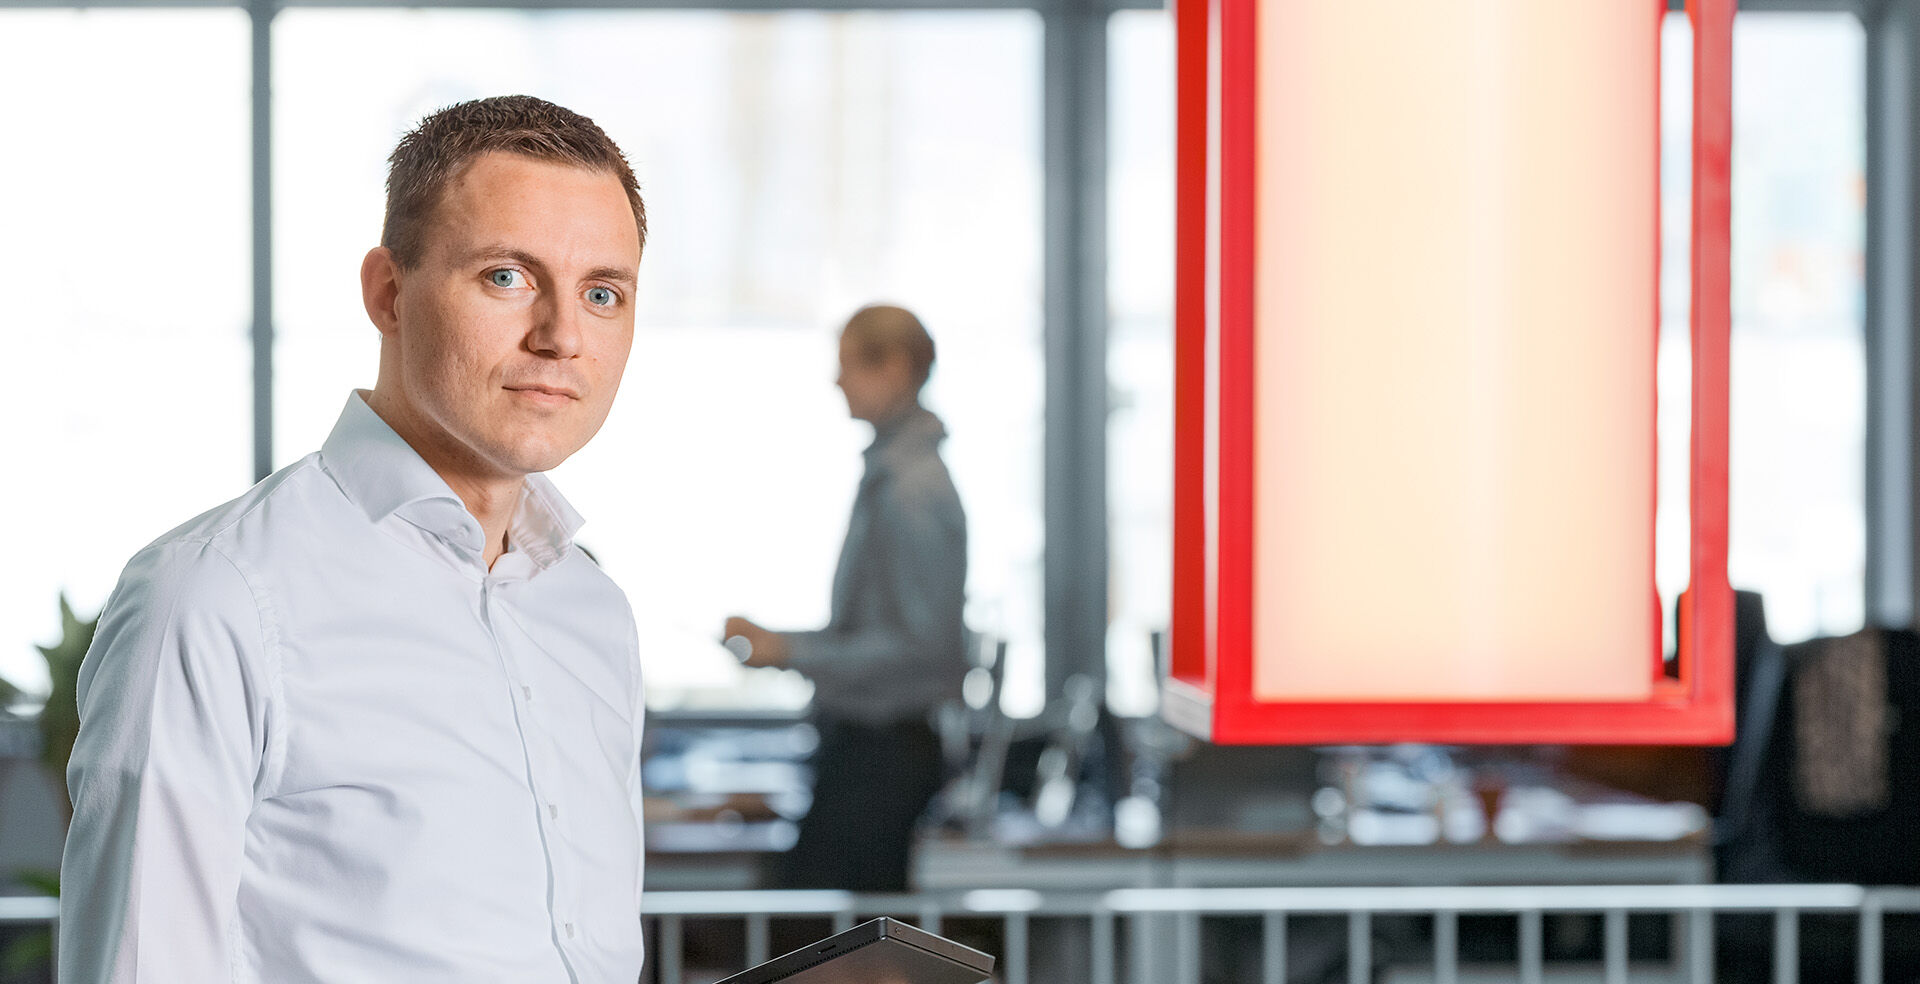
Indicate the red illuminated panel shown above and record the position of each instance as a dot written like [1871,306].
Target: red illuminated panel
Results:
[1416,323]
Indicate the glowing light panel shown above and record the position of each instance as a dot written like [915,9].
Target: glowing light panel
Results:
[1454,323]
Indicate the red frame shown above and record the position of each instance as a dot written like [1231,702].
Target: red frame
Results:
[1210,687]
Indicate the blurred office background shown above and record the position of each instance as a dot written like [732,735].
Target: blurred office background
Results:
[188,189]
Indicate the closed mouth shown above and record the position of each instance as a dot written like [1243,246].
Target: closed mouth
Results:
[548,390]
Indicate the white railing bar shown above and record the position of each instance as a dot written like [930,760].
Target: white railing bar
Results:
[1786,947]
[757,939]
[1102,948]
[1870,928]
[1895,899]
[1020,900]
[1700,945]
[1615,946]
[1554,898]
[1273,948]
[1016,936]
[1446,948]
[1532,947]
[740,903]
[670,939]
[843,920]
[1476,898]
[1359,948]
[1490,898]
[28,909]
[931,916]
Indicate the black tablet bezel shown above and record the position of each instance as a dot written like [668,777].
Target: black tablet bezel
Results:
[866,934]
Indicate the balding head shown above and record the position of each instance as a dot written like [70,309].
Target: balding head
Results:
[881,332]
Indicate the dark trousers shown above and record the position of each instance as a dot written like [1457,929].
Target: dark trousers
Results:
[870,786]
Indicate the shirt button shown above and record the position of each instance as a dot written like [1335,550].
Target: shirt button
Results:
[569,931]
[526,691]
[553,811]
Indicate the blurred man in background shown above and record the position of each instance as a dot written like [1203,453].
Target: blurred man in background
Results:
[894,647]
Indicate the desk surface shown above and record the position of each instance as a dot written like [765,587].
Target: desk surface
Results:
[1232,859]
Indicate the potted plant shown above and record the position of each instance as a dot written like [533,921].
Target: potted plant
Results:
[59,725]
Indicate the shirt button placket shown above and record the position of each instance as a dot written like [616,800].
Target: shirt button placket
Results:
[488,597]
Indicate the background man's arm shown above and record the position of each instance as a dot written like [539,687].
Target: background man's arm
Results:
[926,559]
[173,727]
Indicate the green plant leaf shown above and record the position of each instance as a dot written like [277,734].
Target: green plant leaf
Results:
[28,953]
[46,881]
[60,719]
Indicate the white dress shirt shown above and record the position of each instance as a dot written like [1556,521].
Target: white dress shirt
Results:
[321,741]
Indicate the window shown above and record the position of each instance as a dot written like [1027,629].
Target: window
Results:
[1798,457]
[129,305]
[1139,348]
[796,166]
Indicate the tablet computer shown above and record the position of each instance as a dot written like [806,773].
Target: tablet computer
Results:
[879,951]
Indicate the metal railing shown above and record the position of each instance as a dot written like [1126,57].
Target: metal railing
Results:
[1163,918]
[1166,921]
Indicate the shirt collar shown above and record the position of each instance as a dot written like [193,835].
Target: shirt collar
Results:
[383,475]
[910,434]
[544,524]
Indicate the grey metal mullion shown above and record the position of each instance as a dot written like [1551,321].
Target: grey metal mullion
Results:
[1532,946]
[1360,947]
[1186,940]
[260,13]
[1273,948]
[1786,947]
[1700,946]
[1446,947]
[671,943]
[1143,958]
[1102,963]
[1890,307]
[1872,939]
[1074,154]
[759,931]
[1615,945]
[1016,968]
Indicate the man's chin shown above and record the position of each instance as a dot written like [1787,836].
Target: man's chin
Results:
[528,457]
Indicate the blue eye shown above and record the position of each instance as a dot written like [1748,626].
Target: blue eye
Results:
[599,296]
[507,278]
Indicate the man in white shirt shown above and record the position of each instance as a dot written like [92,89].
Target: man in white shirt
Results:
[378,719]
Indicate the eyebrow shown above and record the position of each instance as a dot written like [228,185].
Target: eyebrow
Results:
[618,275]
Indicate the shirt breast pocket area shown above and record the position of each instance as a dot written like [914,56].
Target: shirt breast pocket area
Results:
[581,698]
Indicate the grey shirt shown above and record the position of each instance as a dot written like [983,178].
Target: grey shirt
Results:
[895,644]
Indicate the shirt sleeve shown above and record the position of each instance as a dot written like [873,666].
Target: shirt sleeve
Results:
[924,553]
[636,790]
[173,721]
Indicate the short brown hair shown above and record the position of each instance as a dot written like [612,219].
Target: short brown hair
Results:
[878,331]
[435,153]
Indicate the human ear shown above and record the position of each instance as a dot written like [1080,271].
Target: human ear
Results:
[380,289]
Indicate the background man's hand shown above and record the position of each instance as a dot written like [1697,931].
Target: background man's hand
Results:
[767,648]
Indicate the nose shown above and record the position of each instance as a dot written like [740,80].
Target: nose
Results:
[556,329]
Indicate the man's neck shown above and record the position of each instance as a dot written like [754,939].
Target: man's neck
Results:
[490,498]
[492,503]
